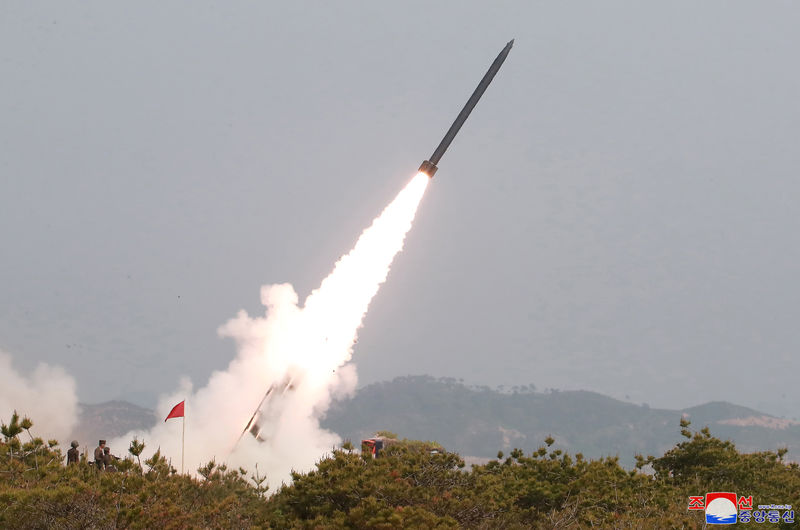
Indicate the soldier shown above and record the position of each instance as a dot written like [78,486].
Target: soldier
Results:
[108,459]
[73,455]
[99,458]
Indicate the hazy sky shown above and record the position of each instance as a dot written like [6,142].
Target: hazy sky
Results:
[618,214]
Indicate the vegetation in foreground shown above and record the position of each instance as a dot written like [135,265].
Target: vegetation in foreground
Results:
[411,485]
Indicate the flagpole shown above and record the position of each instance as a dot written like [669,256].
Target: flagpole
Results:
[183,436]
[179,411]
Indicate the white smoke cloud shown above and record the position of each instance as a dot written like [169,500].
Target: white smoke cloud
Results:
[47,397]
[306,347]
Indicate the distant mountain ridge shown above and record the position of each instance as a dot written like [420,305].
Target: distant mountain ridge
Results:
[109,420]
[479,421]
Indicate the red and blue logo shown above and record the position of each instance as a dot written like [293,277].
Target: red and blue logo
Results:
[725,508]
[721,508]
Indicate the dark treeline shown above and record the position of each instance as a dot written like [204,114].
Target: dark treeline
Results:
[409,485]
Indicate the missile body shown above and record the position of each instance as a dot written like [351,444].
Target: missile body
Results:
[429,166]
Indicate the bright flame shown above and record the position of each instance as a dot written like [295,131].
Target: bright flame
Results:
[311,346]
[333,312]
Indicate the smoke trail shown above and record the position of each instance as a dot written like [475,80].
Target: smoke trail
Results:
[310,346]
[47,397]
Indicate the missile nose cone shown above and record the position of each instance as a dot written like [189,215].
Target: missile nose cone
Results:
[510,43]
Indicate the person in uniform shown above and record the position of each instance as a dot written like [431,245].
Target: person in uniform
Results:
[99,455]
[108,459]
[73,455]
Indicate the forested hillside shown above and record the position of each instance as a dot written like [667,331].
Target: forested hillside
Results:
[479,420]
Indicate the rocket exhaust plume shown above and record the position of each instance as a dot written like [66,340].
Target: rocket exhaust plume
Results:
[298,355]
[47,396]
[293,360]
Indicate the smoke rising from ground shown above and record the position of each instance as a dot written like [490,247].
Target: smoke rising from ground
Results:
[307,347]
[47,397]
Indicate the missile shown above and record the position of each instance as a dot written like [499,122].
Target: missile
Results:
[429,166]
[264,417]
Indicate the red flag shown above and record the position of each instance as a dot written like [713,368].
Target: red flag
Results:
[176,412]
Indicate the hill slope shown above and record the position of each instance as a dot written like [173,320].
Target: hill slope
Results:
[109,420]
[480,421]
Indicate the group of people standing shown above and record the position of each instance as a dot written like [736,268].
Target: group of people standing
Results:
[103,458]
